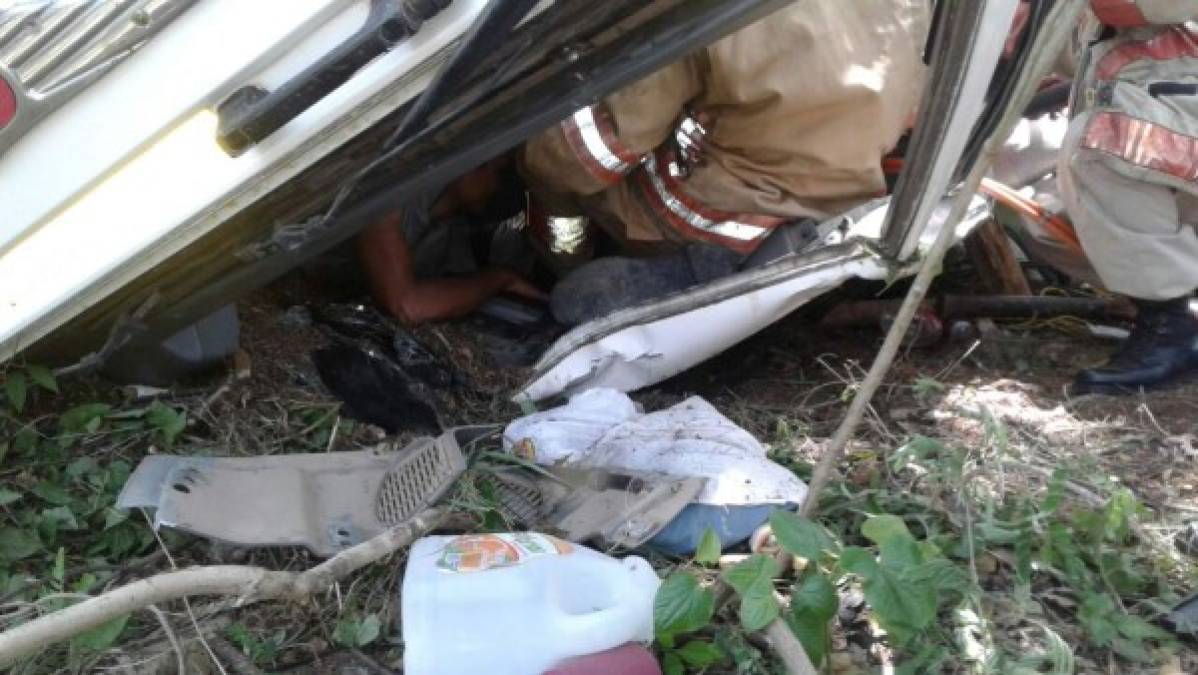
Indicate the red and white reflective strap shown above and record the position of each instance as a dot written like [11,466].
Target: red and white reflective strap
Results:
[592,137]
[1144,144]
[739,232]
[1175,42]
[1119,13]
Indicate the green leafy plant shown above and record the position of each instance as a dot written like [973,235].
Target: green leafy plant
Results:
[17,381]
[753,581]
[357,632]
[682,607]
[168,421]
[101,637]
[708,551]
[260,649]
[813,605]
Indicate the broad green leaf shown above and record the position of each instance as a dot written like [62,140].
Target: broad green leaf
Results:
[43,377]
[758,608]
[17,544]
[880,529]
[52,492]
[800,536]
[102,637]
[8,496]
[681,606]
[815,595]
[61,517]
[812,633]
[113,517]
[168,421]
[813,603]
[708,552]
[357,633]
[898,548]
[16,389]
[82,417]
[368,630]
[859,561]
[939,574]
[346,633]
[753,581]
[900,605]
[672,664]
[757,570]
[117,474]
[700,654]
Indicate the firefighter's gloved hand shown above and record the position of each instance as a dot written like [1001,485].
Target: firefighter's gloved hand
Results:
[689,144]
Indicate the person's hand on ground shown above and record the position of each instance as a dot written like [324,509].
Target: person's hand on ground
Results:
[519,286]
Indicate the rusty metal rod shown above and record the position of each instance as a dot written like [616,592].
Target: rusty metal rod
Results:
[871,312]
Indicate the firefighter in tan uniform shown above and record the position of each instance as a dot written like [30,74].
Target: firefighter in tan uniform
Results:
[1129,179]
[795,113]
[788,118]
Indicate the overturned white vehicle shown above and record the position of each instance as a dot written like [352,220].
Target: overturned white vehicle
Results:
[159,158]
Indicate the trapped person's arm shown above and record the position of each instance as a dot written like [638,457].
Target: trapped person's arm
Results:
[387,261]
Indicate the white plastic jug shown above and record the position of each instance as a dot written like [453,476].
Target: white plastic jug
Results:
[518,604]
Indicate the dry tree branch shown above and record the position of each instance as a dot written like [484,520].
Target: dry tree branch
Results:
[248,584]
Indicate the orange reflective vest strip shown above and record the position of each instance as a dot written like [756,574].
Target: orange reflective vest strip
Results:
[593,141]
[667,198]
[1119,13]
[1177,42]
[1144,144]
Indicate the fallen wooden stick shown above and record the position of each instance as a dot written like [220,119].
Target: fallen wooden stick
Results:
[249,584]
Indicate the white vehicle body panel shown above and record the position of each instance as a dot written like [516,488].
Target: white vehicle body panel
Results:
[174,183]
[629,350]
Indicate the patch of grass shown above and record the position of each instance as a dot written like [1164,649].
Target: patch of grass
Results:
[965,573]
[941,550]
[65,454]
[970,556]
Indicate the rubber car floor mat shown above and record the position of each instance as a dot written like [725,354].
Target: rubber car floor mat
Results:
[326,502]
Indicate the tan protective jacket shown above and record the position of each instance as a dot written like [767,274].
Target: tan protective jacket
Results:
[804,104]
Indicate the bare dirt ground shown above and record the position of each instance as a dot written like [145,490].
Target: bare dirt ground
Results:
[997,407]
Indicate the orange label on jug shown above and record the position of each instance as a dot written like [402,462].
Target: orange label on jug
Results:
[480,552]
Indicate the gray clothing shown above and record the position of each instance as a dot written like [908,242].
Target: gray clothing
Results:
[606,285]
